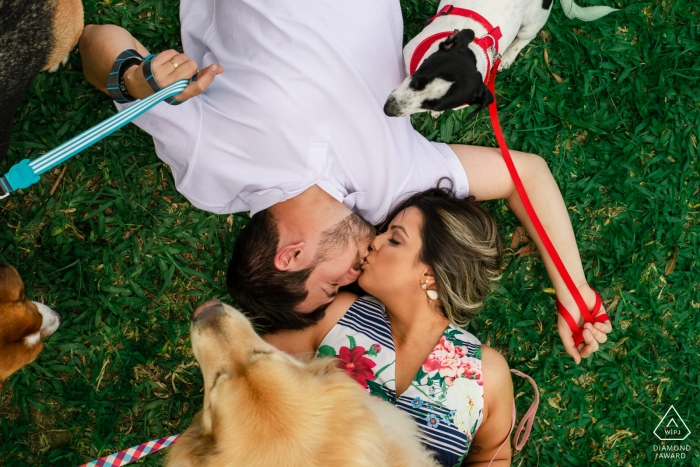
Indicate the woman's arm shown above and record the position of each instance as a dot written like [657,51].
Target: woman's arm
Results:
[100,46]
[498,413]
[307,341]
[489,179]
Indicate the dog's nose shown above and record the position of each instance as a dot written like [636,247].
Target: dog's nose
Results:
[208,304]
[390,107]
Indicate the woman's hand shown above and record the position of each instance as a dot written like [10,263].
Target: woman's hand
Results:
[165,72]
[594,334]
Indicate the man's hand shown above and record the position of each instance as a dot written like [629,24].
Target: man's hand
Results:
[100,45]
[166,73]
[593,334]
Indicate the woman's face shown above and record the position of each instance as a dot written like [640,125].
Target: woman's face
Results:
[392,266]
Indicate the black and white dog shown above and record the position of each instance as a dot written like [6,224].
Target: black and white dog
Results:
[449,62]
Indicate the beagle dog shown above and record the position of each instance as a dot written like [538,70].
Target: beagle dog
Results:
[23,324]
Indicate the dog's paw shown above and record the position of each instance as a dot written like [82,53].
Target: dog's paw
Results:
[506,62]
[63,62]
[435,114]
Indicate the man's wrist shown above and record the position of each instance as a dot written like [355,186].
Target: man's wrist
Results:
[135,82]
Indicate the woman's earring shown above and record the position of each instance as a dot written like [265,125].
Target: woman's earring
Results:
[432,294]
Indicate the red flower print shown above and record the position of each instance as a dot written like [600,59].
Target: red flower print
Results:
[357,366]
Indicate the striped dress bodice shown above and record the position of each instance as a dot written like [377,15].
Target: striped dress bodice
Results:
[445,397]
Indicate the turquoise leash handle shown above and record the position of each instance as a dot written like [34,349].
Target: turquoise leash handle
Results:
[25,173]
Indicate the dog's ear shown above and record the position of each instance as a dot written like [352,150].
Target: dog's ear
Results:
[211,396]
[465,36]
[460,38]
[206,414]
[482,99]
[11,285]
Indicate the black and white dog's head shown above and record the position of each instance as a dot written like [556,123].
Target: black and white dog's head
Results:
[445,80]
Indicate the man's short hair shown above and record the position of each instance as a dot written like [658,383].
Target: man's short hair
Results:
[265,294]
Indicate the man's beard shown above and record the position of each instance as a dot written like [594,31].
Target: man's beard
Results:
[353,228]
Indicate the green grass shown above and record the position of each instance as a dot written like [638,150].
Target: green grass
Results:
[125,258]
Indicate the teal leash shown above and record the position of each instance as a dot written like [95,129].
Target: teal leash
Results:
[26,173]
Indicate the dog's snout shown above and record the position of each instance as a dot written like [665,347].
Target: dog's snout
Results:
[391,108]
[208,304]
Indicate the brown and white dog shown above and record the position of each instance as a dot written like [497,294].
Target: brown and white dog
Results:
[265,408]
[35,35]
[23,324]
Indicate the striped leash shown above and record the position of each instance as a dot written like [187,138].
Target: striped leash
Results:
[127,456]
[26,173]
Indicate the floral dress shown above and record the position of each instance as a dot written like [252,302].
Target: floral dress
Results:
[445,398]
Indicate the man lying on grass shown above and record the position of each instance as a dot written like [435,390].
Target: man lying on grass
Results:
[294,132]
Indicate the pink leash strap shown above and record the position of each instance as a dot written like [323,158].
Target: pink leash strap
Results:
[127,456]
[526,421]
[529,417]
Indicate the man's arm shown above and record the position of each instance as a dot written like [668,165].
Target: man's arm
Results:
[100,46]
[489,179]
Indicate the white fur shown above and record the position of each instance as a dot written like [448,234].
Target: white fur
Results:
[32,339]
[63,62]
[571,10]
[519,21]
[51,320]
[410,100]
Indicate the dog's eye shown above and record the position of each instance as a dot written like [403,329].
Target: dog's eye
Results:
[219,376]
[419,83]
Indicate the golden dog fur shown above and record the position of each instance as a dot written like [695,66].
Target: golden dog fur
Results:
[263,407]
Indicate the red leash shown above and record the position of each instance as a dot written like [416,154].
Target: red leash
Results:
[491,39]
[587,316]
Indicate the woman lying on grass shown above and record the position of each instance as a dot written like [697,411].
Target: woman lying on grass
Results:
[428,271]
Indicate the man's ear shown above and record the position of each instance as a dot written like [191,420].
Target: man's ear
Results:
[286,257]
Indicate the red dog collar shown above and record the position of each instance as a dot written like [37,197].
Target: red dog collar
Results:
[490,40]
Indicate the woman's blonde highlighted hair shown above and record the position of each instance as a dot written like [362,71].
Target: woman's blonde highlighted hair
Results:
[462,246]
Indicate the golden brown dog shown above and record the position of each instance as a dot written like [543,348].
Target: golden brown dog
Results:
[23,324]
[264,408]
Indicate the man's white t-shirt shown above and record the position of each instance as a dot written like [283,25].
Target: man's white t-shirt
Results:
[300,103]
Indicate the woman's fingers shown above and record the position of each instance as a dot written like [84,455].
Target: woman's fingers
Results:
[605,326]
[598,335]
[589,344]
[204,79]
[568,340]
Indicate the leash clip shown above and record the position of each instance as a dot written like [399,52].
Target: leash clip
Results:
[492,47]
